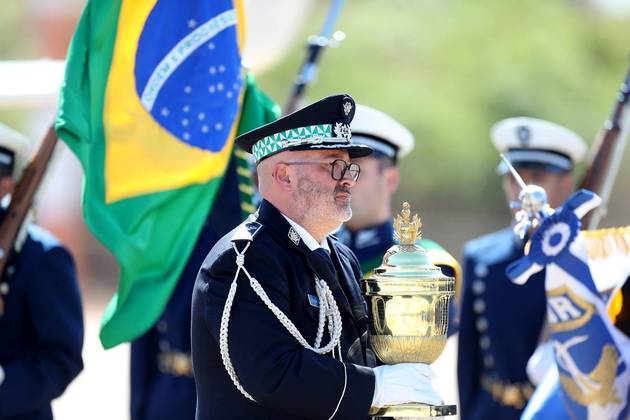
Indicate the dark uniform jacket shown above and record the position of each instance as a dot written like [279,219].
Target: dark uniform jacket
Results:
[286,380]
[499,330]
[41,330]
[162,384]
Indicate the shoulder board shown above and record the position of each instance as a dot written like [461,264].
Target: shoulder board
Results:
[41,235]
[489,241]
[440,256]
[246,231]
[492,246]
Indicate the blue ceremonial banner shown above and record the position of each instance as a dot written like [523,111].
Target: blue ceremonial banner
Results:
[592,377]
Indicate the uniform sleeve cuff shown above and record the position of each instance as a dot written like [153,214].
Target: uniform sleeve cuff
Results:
[359,392]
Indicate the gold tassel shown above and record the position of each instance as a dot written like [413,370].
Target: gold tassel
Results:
[615,306]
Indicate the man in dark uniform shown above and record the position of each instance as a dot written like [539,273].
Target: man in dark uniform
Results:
[501,322]
[41,321]
[279,328]
[370,232]
[162,383]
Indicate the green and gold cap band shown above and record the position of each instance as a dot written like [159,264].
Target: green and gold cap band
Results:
[322,125]
[311,135]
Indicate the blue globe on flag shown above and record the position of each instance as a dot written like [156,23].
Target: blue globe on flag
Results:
[188,70]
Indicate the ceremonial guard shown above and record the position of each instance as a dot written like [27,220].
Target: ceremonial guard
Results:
[41,321]
[501,322]
[279,328]
[370,231]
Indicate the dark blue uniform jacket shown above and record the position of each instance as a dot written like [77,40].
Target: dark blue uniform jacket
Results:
[41,330]
[287,380]
[499,329]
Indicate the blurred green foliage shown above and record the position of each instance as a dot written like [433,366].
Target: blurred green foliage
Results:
[15,43]
[449,69]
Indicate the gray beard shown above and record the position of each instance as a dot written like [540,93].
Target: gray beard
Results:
[319,204]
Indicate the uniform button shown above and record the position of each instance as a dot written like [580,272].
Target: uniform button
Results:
[162,326]
[164,345]
[478,287]
[479,305]
[484,342]
[488,360]
[4,288]
[512,396]
[481,324]
[481,270]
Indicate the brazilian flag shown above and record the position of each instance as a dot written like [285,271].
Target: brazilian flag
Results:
[154,94]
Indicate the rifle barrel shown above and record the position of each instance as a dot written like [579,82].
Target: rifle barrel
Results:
[316,44]
[22,196]
[606,154]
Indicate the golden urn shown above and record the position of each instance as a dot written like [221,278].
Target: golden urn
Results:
[408,300]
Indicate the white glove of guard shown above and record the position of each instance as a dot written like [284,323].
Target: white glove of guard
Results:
[404,383]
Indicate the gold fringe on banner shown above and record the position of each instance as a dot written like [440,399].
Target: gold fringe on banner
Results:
[603,243]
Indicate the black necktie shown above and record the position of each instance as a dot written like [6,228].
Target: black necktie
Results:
[355,342]
[322,263]
[324,267]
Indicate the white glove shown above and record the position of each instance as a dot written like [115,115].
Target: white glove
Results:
[404,383]
[1,375]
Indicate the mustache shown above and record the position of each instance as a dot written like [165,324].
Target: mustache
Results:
[342,190]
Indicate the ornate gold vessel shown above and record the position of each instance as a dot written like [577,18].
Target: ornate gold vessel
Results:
[408,300]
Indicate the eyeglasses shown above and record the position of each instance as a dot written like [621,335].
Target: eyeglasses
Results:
[338,168]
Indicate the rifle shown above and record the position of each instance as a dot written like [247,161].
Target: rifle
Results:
[23,194]
[607,153]
[314,49]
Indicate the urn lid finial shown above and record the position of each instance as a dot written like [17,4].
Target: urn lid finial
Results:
[407,228]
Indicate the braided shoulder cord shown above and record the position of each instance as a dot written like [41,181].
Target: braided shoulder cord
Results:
[225,321]
[328,311]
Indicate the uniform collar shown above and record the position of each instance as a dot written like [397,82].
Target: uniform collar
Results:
[285,228]
[308,239]
[377,235]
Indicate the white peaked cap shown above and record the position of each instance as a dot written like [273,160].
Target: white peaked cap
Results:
[381,132]
[17,143]
[532,140]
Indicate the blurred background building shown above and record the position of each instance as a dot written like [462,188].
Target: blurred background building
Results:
[447,69]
